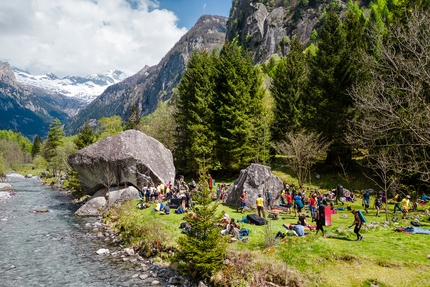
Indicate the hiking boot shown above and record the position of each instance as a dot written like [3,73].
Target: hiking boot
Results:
[361,237]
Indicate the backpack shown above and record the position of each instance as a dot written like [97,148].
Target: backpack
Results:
[244,232]
[361,215]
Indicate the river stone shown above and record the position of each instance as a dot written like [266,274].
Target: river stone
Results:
[104,199]
[127,158]
[103,251]
[255,179]
[4,186]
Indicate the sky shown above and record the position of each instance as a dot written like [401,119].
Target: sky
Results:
[82,37]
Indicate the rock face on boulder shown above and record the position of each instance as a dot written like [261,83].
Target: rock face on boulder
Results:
[103,200]
[255,179]
[128,158]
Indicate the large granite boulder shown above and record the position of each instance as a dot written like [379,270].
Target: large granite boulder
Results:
[104,199]
[128,158]
[255,179]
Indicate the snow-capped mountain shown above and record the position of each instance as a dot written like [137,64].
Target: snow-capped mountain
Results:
[84,88]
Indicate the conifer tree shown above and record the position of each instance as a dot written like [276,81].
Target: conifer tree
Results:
[133,119]
[195,137]
[37,146]
[238,103]
[288,87]
[54,140]
[202,250]
[86,137]
[327,102]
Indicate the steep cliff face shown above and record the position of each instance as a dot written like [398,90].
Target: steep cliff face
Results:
[153,84]
[266,27]
[28,109]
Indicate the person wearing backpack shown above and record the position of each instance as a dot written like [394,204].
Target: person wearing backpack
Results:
[397,201]
[357,222]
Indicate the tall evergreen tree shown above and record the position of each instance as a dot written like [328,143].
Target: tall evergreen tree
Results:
[195,138]
[238,102]
[288,87]
[327,102]
[37,146]
[86,137]
[54,140]
[133,119]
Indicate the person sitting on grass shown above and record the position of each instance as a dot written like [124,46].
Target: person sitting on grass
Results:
[302,220]
[291,231]
[231,228]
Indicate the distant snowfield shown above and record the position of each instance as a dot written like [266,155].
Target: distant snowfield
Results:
[84,88]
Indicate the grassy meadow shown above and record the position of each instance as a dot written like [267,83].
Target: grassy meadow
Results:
[383,258]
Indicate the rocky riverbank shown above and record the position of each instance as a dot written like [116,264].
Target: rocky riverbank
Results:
[151,272]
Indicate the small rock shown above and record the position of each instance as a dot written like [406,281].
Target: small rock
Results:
[428,257]
[103,251]
[201,284]
[129,251]
[11,267]
[143,276]
[155,282]
[135,276]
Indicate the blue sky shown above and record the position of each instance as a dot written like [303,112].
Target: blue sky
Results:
[82,37]
[189,11]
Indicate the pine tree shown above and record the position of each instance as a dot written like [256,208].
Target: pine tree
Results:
[202,250]
[86,137]
[54,140]
[133,119]
[195,139]
[238,102]
[37,146]
[327,102]
[288,87]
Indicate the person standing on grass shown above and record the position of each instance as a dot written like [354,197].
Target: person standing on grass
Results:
[378,204]
[312,205]
[397,200]
[366,200]
[243,201]
[260,206]
[357,222]
[405,206]
[319,218]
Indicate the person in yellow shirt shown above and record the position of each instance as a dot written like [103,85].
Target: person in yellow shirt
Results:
[260,206]
[405,206]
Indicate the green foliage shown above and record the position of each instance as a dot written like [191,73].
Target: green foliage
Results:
[194,114]
[327,102]
[220,112]
[133,119]
[37,146]
[161,124]
[54,140]
[202,249]
[288,88]
[86,137]
[22,141]
[239,112]
[109,127]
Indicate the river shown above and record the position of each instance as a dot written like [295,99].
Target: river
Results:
[54,248]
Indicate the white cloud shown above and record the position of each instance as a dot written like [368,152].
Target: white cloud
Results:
[80,37]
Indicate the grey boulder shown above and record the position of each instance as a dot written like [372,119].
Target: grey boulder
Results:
[128,158]
[104,199]
[255,179]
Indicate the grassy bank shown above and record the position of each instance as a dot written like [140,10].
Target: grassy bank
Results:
[384,257]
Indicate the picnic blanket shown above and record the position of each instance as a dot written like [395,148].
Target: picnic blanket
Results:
[413,230]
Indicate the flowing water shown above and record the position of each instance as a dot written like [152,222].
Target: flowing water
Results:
[52,248]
